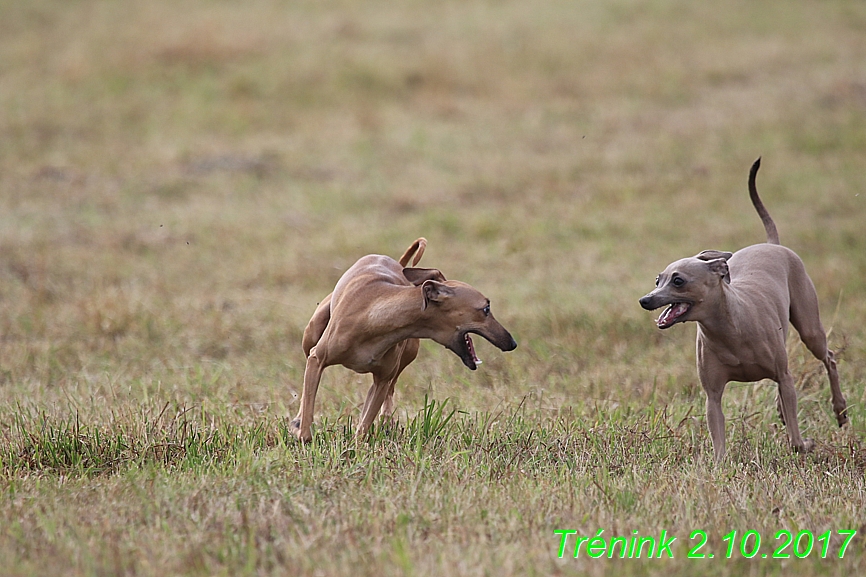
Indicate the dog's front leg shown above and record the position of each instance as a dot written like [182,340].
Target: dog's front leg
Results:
[375,397]
[388,406]
[407,351]
[716,420]
[714,379]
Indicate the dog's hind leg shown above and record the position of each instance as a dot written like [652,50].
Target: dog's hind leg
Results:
[817,343]
[807,321]
[317,325]
[840,407]
[301,425]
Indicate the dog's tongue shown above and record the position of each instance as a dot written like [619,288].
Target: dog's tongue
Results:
[670,314]
[472,350]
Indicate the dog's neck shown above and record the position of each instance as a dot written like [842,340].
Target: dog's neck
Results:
[409,318]
[719,323]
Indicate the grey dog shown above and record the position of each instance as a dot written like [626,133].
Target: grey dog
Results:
[742,303]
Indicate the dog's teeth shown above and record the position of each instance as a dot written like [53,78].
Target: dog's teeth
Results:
[471,348]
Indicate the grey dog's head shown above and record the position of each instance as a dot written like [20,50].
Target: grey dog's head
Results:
[683,286]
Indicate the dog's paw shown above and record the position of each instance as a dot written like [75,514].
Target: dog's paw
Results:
[808,446]
[295,428]
[842,418]
[388,422]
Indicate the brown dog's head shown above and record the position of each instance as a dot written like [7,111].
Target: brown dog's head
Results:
[685,285]
[455,309]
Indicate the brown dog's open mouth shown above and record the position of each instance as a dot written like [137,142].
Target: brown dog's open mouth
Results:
[672,314]
[471,349]
[465,349]
[461,345]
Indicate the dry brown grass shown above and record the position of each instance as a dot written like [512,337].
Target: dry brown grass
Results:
[180,183]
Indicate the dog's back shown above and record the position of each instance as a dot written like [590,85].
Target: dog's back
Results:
[376,268]
[371,278]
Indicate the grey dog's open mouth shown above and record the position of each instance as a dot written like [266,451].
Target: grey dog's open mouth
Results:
[672,314]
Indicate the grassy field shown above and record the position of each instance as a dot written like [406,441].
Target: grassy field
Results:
[182,182]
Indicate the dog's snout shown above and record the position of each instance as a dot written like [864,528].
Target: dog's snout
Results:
[503,341]
[510,346]
[646,302]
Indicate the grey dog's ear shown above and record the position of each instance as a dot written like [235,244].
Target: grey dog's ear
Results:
[719,266]
[417,276]
[714,254]
[434,292]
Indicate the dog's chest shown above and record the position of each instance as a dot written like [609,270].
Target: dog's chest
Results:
[374,356]
[746,361]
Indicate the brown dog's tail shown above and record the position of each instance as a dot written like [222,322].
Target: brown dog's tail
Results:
[417,246]
[769,225]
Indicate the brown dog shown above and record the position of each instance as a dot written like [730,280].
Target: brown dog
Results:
[742,303]
[372,321]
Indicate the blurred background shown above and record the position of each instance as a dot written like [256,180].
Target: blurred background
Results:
[182,182]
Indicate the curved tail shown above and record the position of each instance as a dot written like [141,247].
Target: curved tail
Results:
[418,246]
[769,225]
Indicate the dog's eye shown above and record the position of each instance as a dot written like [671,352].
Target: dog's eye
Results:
[486,310]
[657,281]
[679,281]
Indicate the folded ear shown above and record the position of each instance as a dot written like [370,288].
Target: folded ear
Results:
[435,292]
[714,254]
[719,266]
[417,276]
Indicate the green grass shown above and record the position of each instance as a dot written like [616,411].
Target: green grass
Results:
[181,183]
[490,485]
